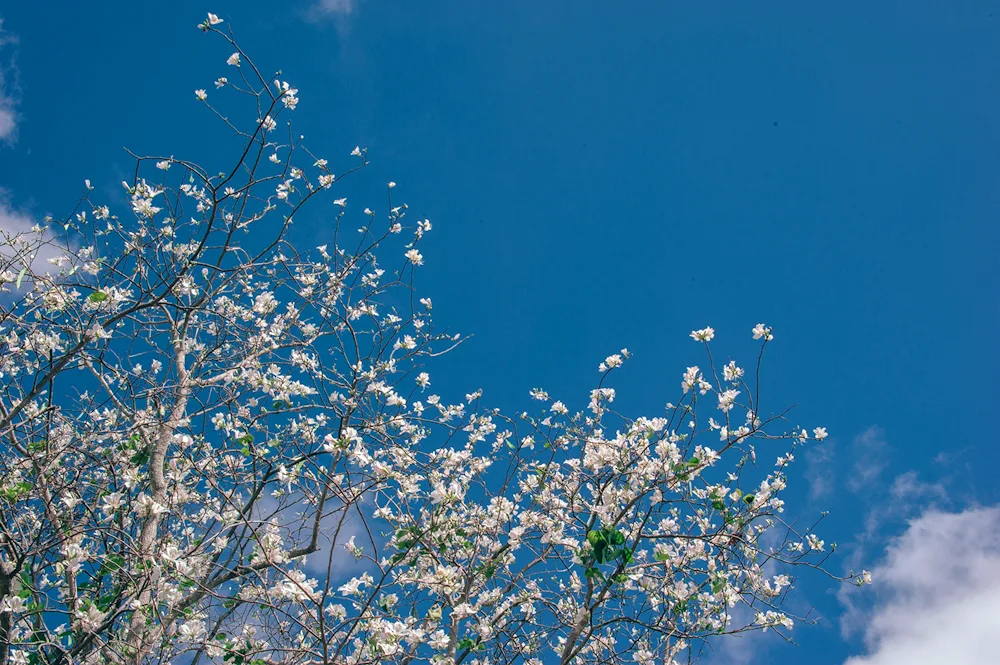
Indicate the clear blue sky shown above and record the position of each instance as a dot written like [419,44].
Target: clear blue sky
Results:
[616,174]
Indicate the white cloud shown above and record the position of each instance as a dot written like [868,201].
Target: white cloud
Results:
[937,593]
[12,221]
[338,562]
[870,450]
[333,7]
[7,123]
[8,85]
[48,247]
[820,471]
[907,487]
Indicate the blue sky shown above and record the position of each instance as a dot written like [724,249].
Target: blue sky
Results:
[604,175]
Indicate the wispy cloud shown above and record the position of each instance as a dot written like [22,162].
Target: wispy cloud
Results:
[334,7]
[888,513]
[9,89]
[7,123]
[820,470]
[908,487]
[870,451]
[12,221]
[338,13]
[335,530]
[34,250]
[738,649]
[938,592]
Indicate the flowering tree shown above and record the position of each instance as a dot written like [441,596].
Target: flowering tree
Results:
[219,448]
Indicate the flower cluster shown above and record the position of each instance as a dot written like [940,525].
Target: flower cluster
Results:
[216,444]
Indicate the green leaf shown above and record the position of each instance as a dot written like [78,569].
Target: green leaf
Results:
[97,296]
[20,276]
[16,491]
[718,505]
[596,539]
[140,457]
[113,563]
[748,499]
[718,584]
[661,556]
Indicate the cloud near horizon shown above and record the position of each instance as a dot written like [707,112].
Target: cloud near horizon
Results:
[8,85]
[937,592]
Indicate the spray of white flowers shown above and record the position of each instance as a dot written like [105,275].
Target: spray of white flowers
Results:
[217,447]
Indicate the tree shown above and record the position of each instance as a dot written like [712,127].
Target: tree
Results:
[217,447]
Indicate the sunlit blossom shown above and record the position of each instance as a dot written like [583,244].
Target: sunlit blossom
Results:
[221,443]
